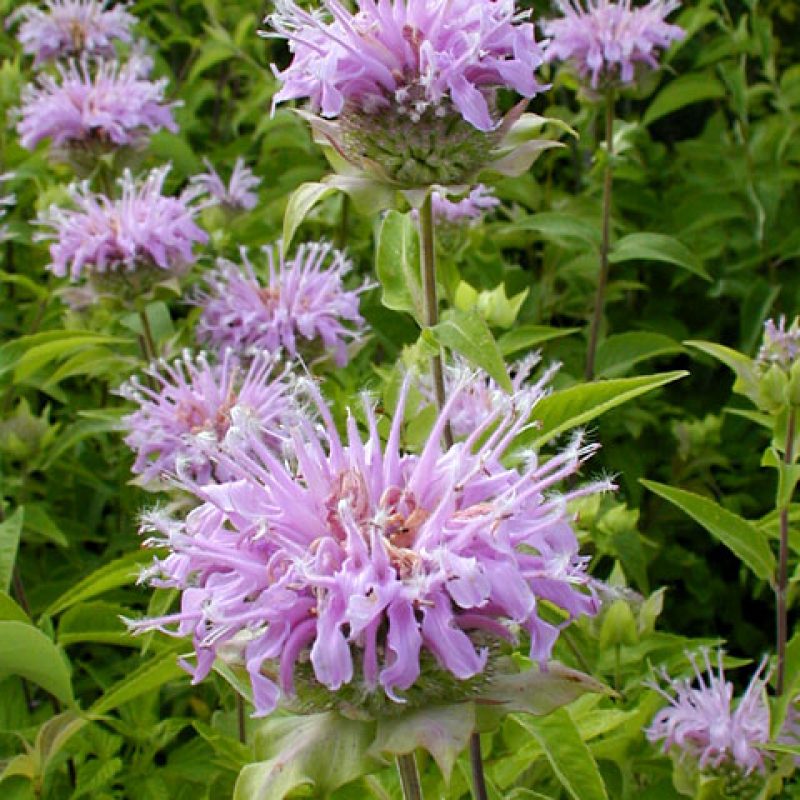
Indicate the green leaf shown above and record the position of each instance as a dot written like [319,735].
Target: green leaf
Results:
[524,337]
[119,572]
[10,530]
[11,610]
[577,405]
[617,354]
[466,333]
[742,537]
[397,264]
[147,678]
[683,91]
[95,622]
[568,755]
[322,751]
[656,247]
[564,229]
[27,652]
[444,731]
[301,201]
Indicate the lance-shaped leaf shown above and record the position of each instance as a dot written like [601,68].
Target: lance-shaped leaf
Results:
[657,247]
[10,530]
[397,264]
[743,538]
[301,201]
[322,751]
[444,731]
[742,365]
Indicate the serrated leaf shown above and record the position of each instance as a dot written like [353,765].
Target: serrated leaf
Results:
[444,731]
[524,337]
[27,652]
[10,530]
[577,405]
[322,751]
[683,91]
[397,264]
[301,201]
[617,354]
[147,678]
[742,537]
[569,757]
[466,333]
[119,572]
[656,247]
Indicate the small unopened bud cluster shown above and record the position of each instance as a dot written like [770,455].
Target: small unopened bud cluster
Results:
[777,367]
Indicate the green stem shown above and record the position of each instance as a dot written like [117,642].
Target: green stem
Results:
[602,281]
[344,223]
[241,718]
[409,777]
[431,302]
[146,340]
[783,563]
[476,761]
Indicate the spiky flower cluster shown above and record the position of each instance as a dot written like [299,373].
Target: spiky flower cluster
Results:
[359,566]
[410,55]
[605,40]
[98,106]
[703,724]
[481,396]
[142,229]
[302,306]
[780,346]
[71,27]
[238,195]
[468,209]
[191,409]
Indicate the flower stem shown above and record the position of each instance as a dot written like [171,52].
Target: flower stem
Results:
[602,281]
[431,301]
[783,562]
[409,777]
[241,718]
[476,760]
[146,340]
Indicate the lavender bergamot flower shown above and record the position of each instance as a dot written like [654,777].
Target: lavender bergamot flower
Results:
[703,724]
[95,106]
[191,409]
[411,83]
[65,28]
[468,209]
[143,231]
[301,308]
[360,576]
[238,195]
[605,41]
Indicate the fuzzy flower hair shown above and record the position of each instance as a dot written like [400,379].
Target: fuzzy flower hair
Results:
[468,209]
[413,55]
[702,722]
[239,194]
[606,40]
[303,303]
[101,105]
[191,409]
[368,571]
[141,229]
[71,27]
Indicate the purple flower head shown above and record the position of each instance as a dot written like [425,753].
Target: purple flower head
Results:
[194,409]
[302,303]
[367,571]
[71,27]
[780,346]
[102,105]
[238,195]
[468,209]
[143,229]
[605,41]
[481,397]
[703,723]
[412,55]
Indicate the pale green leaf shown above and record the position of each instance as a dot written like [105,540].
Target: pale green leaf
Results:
[10,530]
[397,264]
[301,201]
[579,404]
[27,652]
[9,609]
[524,337]
[466,333]
[742,537]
